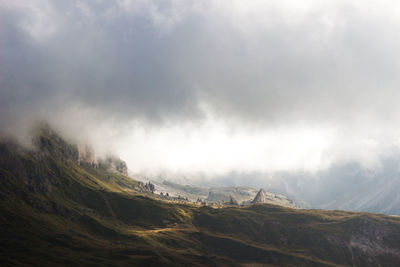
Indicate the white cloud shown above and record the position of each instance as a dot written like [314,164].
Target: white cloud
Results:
[214,149]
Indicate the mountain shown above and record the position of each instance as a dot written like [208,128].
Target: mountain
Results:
[349,187]
[242,194]
[377,191]
[61,209]
[381,196]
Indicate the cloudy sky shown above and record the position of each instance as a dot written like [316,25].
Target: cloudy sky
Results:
[210,87]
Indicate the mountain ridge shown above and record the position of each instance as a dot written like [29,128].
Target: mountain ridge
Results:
[58,212]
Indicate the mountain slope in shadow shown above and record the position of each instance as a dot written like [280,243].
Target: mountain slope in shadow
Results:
[61,208]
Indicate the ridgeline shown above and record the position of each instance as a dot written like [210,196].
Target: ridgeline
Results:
[61,206]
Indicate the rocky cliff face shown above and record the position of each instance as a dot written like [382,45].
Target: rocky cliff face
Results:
[113,163]
[86,156]
[49,141]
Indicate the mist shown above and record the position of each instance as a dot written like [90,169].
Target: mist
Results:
[204,90]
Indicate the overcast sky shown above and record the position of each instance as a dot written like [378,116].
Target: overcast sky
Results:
[207,87]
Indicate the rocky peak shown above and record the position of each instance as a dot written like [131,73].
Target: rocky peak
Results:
[261,197]
[50,141]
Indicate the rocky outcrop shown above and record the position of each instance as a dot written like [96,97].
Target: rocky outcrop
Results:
[271,198]
[86,156]
[115,164]
[261,197]
[49,141]
[233,202]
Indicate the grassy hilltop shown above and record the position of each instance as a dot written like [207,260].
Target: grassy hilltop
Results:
[59,210]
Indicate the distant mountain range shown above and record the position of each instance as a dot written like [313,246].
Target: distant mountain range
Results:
[348,187]
[61,206]
[242,194]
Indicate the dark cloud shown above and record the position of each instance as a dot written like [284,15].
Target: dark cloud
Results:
[160,59]
[255,64]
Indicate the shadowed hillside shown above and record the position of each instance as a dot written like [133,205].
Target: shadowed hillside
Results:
[58,208]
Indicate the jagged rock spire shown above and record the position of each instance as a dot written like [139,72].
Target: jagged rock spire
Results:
[261,197]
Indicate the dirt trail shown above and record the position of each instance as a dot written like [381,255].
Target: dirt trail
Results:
[166,229]
[109,207]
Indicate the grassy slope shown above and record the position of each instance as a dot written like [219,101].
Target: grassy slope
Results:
[54,212]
